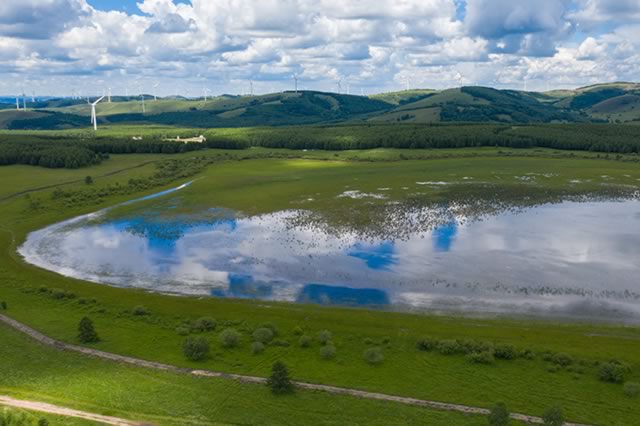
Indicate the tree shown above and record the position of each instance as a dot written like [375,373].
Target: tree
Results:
[553,417]
[328,351]
[86,331]
[263,335]
[373,356]
[324,336]
[499,415]
[88,180]
[195,348]
[279,381]
[230,338]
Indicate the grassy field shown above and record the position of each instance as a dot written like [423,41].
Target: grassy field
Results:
[30,371]
[261,185]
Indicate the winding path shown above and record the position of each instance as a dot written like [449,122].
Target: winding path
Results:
[48,341]
[43,407]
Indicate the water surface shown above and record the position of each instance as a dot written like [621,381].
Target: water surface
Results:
[571,259]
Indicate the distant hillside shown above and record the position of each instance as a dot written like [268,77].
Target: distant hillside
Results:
[479,104]
[612,102]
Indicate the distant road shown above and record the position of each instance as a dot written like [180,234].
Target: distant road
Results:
[48,341]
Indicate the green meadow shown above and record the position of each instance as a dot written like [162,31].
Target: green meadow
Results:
[261,180]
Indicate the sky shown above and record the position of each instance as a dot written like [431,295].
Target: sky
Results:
[62,47]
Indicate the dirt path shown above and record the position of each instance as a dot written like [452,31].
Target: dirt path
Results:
[43,407]
[258,380]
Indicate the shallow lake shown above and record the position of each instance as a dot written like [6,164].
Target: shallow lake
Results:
[571,259]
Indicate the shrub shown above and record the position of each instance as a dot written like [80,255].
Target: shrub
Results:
[230,338]
[374,356]
[562,359]
[499,415]
[182,331]
[298,331]
[263,335]
[328,351]
[140,311]
[271,327]
[204,324]
[484,357]
[257,347]
[505,352]
[3,305]
[195,348]
[553,417]
[280,342]
[613,371]
[88,180]
[324,336]
[448,347]
[426,344]
[632,389]
[43,422]
[86,331]
[279,381]
[368,341]
[386,340]
[528,354]
[305,341]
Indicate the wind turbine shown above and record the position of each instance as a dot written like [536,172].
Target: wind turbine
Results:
[206,92]
[295,81]
[33,96]
[94,118]
[24,100]
[339,85]
[251,87]
[155,91]
[18,103]
[109,95]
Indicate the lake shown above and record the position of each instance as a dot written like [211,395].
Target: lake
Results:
[570,259]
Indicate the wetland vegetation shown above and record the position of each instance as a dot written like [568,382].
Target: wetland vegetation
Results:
[533,364]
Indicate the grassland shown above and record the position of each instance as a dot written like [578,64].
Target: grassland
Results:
[259,185]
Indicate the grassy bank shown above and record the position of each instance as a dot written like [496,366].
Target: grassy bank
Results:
[262,185]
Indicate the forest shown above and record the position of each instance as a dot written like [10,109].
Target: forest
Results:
[56,151]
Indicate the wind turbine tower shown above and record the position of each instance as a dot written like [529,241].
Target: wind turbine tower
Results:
[18,103]
[251,87]
[155,91]
[109,95]
[340,86]
[295,82]
[33,96]
[142,97]
[94,118]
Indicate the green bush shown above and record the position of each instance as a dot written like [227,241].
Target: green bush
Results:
[195,348]
[325,336]
[373,356]
[305,341]
[271,327]
[263,335]
[484,357]
[86,331]
[505,352]
[3,305]
[298,331]
[562,359]
[140,311]
[328,351]
[204,324]
[426,344]
[182,331]
[280,342]
[499,415]
[257,348]
[230,338]
[279,381]
[553,417]
[631,389]
[613,371]
[448,347]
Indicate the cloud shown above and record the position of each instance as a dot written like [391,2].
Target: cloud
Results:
[371,45]
[39,19]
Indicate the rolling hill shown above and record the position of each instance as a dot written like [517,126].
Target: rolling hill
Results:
[612,102]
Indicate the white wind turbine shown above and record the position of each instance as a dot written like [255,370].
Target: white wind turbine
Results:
[295,82]
[18,103]
[109,95]
[142,98]
[206,92]
[155,91]
[94,118]
[339,85]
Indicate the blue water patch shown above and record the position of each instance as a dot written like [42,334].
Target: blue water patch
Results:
[444,236]
[378,257]
[338,295]
[244,286]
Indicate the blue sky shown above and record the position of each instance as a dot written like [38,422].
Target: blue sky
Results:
[56,47]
